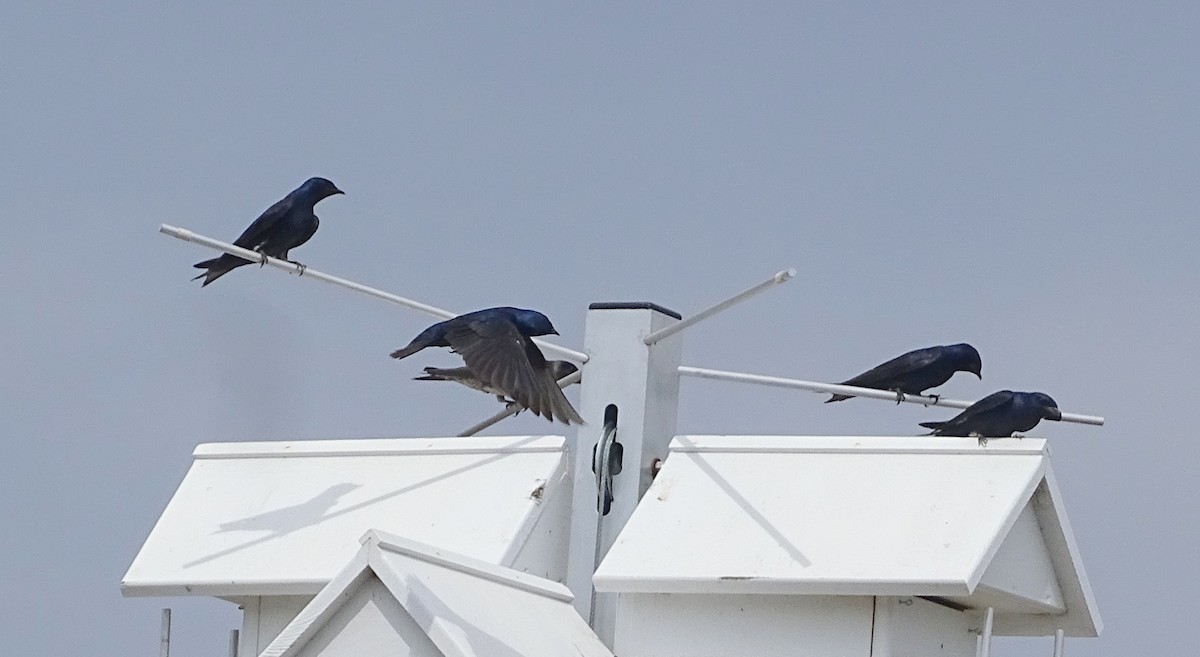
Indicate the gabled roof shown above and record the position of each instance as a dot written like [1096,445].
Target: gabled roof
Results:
[281,518]
[421,595]
[941,517]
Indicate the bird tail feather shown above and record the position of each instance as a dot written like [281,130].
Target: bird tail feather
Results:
[568,415]
[838,398]
[218,267]
[933,425]
[405,352]
[431,374]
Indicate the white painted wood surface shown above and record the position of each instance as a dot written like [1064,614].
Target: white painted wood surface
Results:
[672,625]
[372,623]
[400,597]
[642,382]
[269,519]
[888,516]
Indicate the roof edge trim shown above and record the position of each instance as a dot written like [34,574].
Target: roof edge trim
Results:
[758,444]
[381,447]
[464,564]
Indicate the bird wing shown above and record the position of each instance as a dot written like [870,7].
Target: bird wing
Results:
[258,231]
[894,369]
[985,406]
[498,354]
[310,229]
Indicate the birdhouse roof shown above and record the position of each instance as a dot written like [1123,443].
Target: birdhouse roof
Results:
[280,518]
[420,594]
[967,525]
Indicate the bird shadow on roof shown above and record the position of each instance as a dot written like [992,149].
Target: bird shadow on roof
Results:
[290,518]
[297,517]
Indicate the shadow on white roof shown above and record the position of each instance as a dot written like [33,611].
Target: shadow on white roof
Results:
[281,518]
[965,525]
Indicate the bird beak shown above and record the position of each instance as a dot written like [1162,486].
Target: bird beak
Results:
[338,191]
[1055,414]
[553,332]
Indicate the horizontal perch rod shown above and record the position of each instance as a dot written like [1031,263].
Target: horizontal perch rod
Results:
[781,277]
[838,389]
[309,272]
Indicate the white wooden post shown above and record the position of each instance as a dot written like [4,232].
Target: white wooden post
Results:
[881,626]
[985,645]
[642,383]
[251,617]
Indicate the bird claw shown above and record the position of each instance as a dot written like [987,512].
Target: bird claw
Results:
[300,267]
[935,398]
[512,404]
[982,441]
[262,262]
[899,397]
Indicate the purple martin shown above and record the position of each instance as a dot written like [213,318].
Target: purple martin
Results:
[495,344]
[285,225]
[464,375]
[999,415]
[917,371]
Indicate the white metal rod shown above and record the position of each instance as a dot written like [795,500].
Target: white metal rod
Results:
[308,272]
[838,389]
[164,636]
[567,380]
[1060,638]
[781,277]
[234,636]
[986,647]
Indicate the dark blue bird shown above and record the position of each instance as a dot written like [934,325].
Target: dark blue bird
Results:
[999,415]
[282,227]
[495,344]
[917,371]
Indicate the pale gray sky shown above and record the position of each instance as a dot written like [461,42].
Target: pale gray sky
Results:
[1019,176]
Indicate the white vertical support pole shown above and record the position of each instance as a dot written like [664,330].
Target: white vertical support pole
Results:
[164,634]
[985,645]
[642,382]
[881,626]
[233,643]
[1060,638]
[248,639]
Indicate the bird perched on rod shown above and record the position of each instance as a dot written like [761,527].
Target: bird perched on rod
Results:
[285,225]
[917,371]
[496,346]
[464,375]
[999,415]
